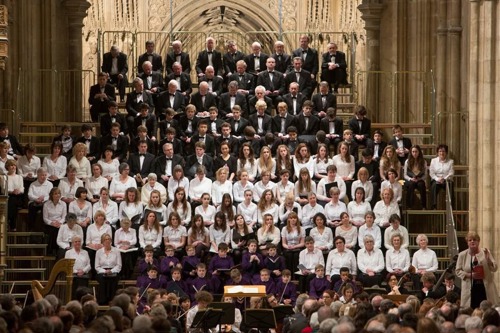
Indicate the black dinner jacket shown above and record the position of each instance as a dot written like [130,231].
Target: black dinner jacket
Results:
[134,107]
[266,123]
[324,125]
[232,141]
[366,125]
[381,147]
[225,104]
[160,164]
[186,84]
[312,127]
[276,124]
[192,161]
[157,62]
[97,105]
[164,124]
[317,100]
[305,82]
[278,83]
[107,63]
[283,64]
[246,82]
[177,144]
[301,98]
[183,125]
[406,144]
[106,124]
[230,62]
[151,125]
[249,60]
[243,123]
[164,102]
[202,62]
[152,145]
[218,124]
[311,63]
[121,146]
[156,81]
[339,59]
[14,144]
[253,100]
[196,100]
[217,84]
[135,165]
[94,147]
[185,62]
[209,144]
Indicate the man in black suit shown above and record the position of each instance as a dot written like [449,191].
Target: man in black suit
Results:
[168,122]
[400,143]
[172,98]
[153,81]
[117,141]
[141,163]
[203,136]
[283,60]
[184,85]
[15,149]
[215,83]
[294,99]
[309,55]
[377,144]
[333,127]
[334,67]
[238,123]
[68,141]
[177,55]
[307,124]
[226,137]
[114,63]
[170,137]
[100,95]
[230,99]
[260,95]
[146,119]
[300,76]
[282,121]
[151,56]
[188,123]
[135,99]
[360,126]
[261,121]
[209,57]
[231,57]
[197,159]
[273,81]
[323,100]
[256,61]
[203,100]
[246,81]
[113,117]
[214,122]
[92,143]
[164,164]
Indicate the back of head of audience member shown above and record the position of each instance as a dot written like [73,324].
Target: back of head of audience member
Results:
[376,300]
[90,310]
[327,325]
[141,323]
[54,302]
[324,312]
[344,326]
[76,309]
[491,329]
[473,324]
[491,317]
[42,325]
[66,319]
[448,327]
[410,320]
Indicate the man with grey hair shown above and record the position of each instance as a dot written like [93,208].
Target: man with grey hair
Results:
[209,57]
[370,263]
[153,81]
[473,325]
[327,325]
[231,57]
[135,99]
[283,60]
[184,85]
[256,61]
[215,83]
[460,323]
[203,100]
[230,99]
[177,55]
[172,98]
[344,327]
[141,323]
[114,63]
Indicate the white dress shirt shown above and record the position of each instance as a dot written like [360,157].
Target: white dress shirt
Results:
[322,239]
[344,168]
[373,260]
[65,235]
[337,260]
[397,260]
[425,259]
[82,260]
[310,259]
[197,187]
[374,231]
[57,168]
[68,190]
[38,189]
[121,236]
[54,212]
[239,190]
[104,261]
[249,212]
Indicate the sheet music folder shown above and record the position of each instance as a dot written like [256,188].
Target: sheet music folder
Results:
[245,291]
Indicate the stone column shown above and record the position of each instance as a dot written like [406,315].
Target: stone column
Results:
[484,121]
[76,11]
[371,13]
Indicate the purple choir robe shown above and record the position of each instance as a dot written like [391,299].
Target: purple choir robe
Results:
[288,291]
[165,265]
[317,286]
[143,266]
[252,269]
[187,263]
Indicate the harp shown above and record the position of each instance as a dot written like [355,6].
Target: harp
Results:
[62,266]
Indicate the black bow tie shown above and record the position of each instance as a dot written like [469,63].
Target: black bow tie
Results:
[113,118]
[306,116]
[283,117]
[142,155]
[202,138]
[255,57]
[260,116]
[177,76]
[209,52]
[66,139]
[209,80]
[232,95]
[324,95]
[177,54]
[294,97]
[172,94]
[304,51]
[87,140]
[168,158]
[297,72]
[271,72]
[138,93]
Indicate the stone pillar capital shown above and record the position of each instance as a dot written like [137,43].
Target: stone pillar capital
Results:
[371,11]
[76,11]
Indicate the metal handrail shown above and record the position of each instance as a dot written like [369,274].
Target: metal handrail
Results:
[451,232]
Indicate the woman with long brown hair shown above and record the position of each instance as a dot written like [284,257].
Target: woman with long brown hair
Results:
[415,174]
[181,206]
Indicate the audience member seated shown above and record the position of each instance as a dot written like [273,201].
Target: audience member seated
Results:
[80,162]
[95,183]
[370,263]
[184,84]
[109,207]
[15,189]
[135,99]
[111,117]
[54,215]
[385,208]
[209,57]
[150,233]
[114,64]
[117,141]
[99,97]
[340,257]
[66,233]
[360,126]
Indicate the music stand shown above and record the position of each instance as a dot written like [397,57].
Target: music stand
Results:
[262,319]
[282,311]
[228,312]
[207,319]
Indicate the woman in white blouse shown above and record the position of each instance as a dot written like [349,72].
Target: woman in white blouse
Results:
[392,182]
[221,186]
[206,210]
[181,206]
[334,208]
[108,264]
[54,215]
[109,164]
[385,208]
[303,159]
[347,231]
[441,171]
[28,164]
[81,208]
[155,205]
[96,230]
[66,233]
[267,205]
[284,186]
[150,233]
[267,233]
[241,186]
[247,161]
[55,163]
[95,183]
[303,186]
[69,184]
[80,161]
[292,239]
[397,258]
[309,211]
[177,180]
[370,228]
[126,242]
[131,207]
[424,260]
[321,162]
[322,235]
[15,186]
[248,209]
[198,186]
[363,182]
[81,267]
[287,207]
[175,234]
[264,184]
[228,209]
[358,208]
[219,232]
[344,162]
[4,156]
[109,207]
[151,185]
[266,162]
[121,183]
[198,236]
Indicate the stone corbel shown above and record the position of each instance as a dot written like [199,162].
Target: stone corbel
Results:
[4,40]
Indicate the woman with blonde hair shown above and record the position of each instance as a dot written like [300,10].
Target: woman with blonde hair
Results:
[80,161]
[303,159]
[221,186]
[385,208]
[287,207]
[266,162]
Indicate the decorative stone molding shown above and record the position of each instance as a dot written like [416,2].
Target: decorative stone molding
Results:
[4,40]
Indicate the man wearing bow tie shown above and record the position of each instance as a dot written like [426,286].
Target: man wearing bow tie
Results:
[323,100]
[197,159]
[282,121]
[283,60]
[203,136]
[256,61]
[246,81]
[333,127]
[230,99]
[209,57]
[273,81]
[260,95]
[308,55]
[117,141]
[177,55]
[203,100]
[141,163]
[184,85]
[172,98]
[260,120]
[300,76]
[334,67]
[92,143]
[99,96]
[231,57]
[135,100]
[146,119]
[114,63]
[153,81]
[215,83]
[165,163]
[238,123]
[294,99]
[308,124]
[112,117]
[151,56]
